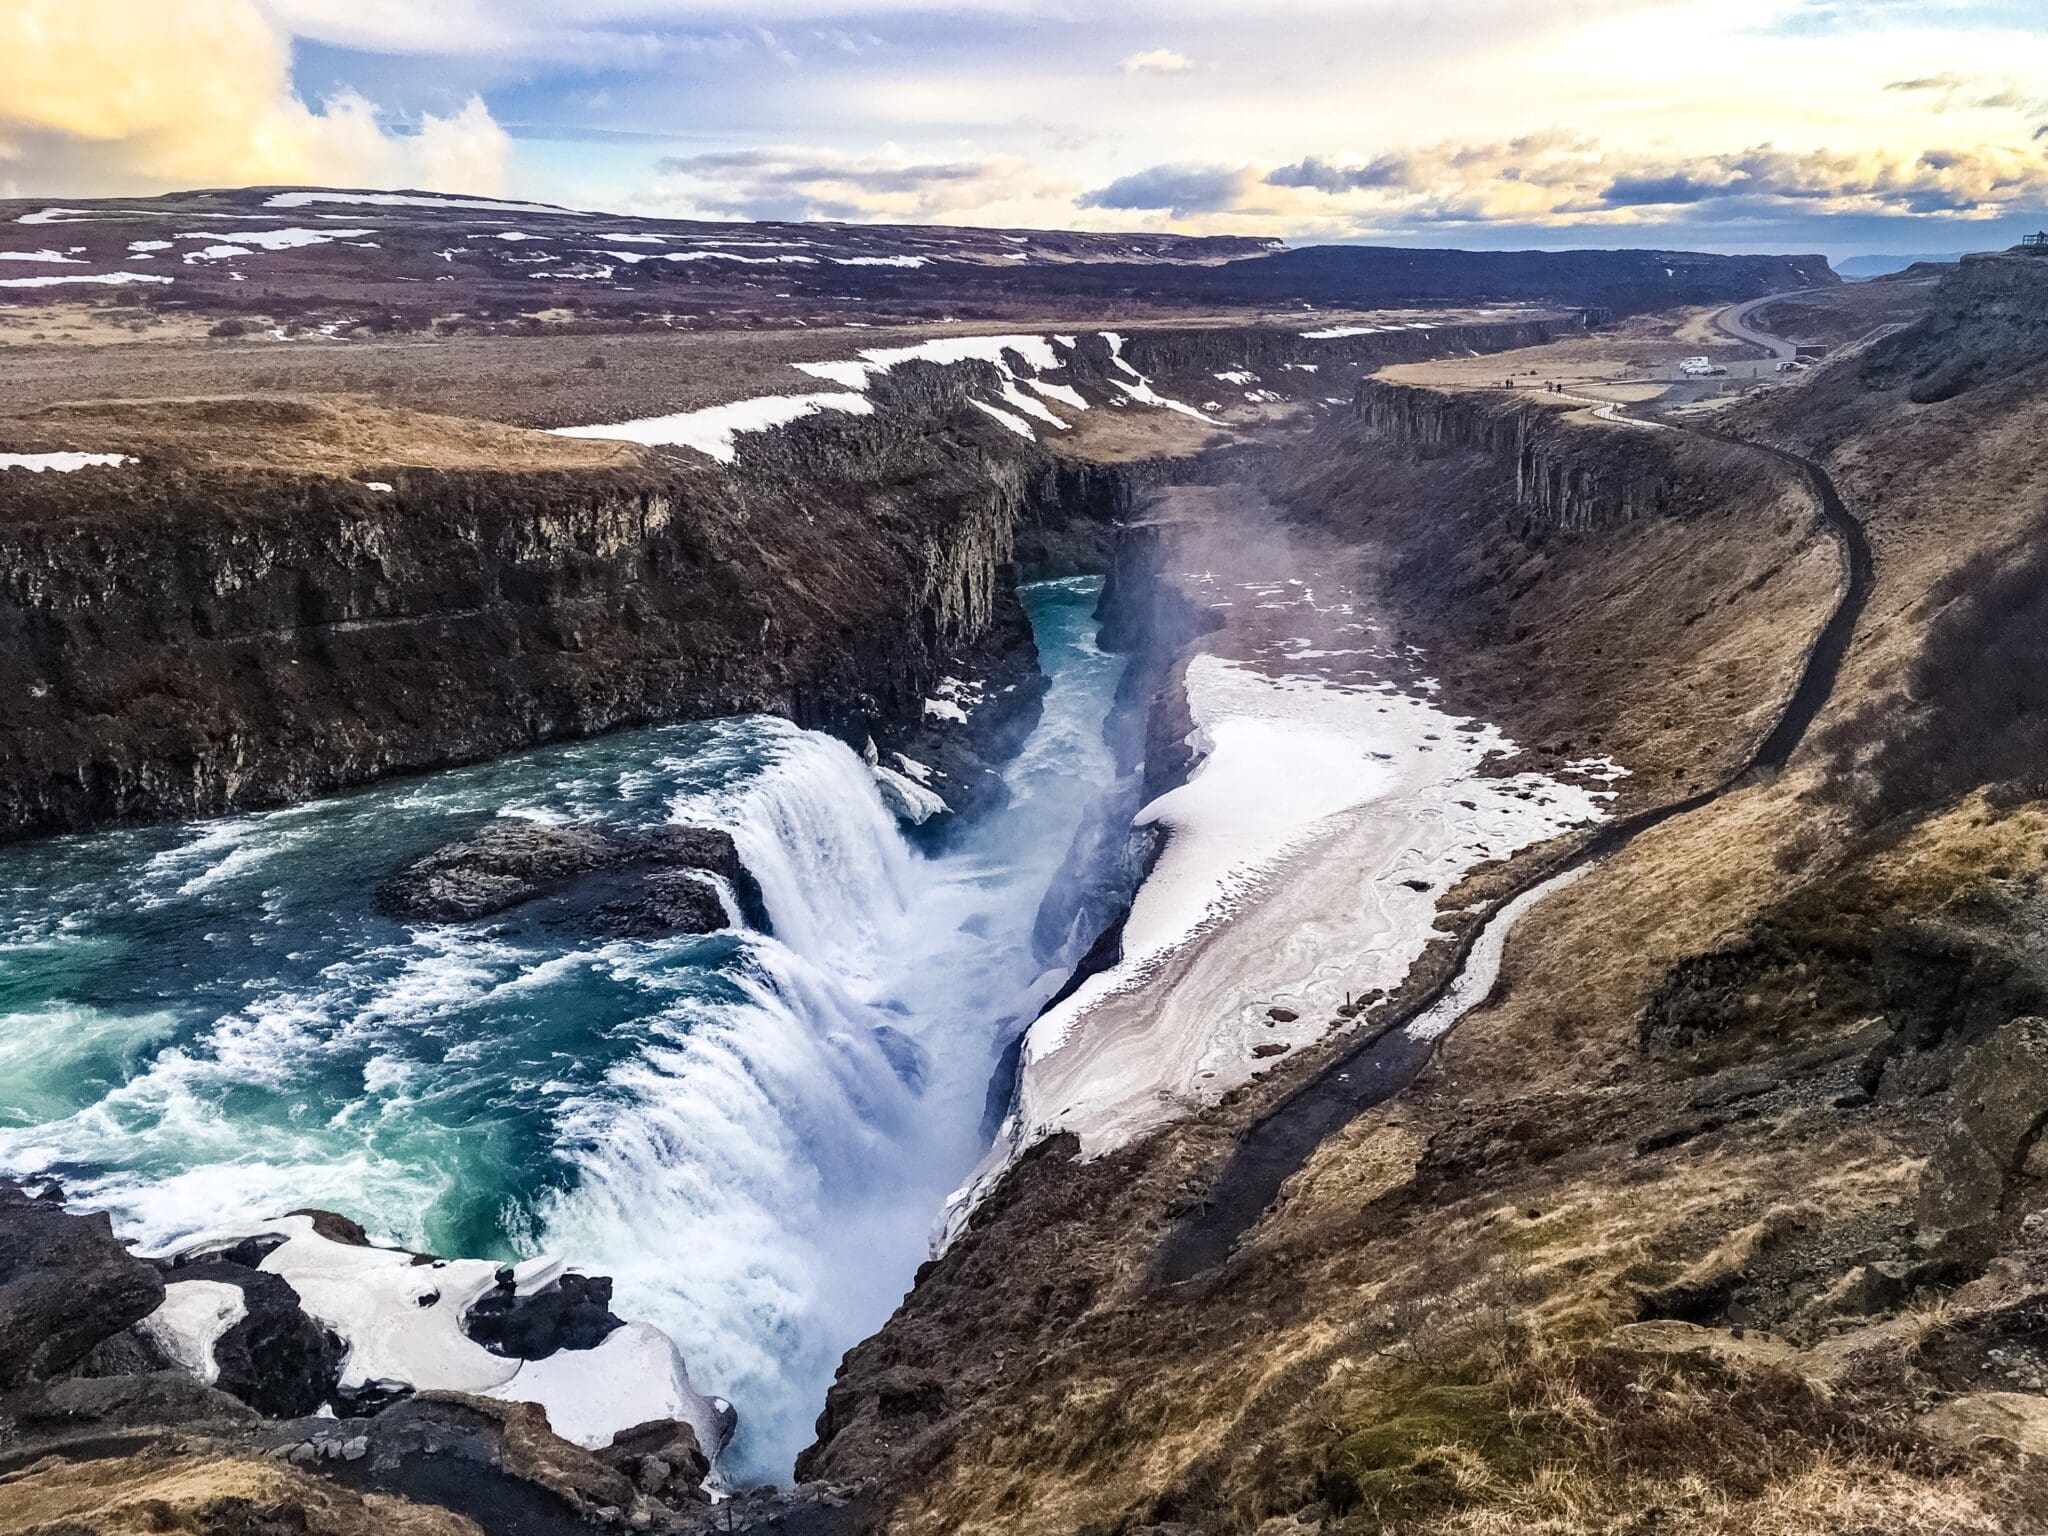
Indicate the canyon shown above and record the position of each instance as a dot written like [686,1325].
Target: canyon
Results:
[1494,780]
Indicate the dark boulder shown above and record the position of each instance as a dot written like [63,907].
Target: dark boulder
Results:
[333,1226]
[573,1313]
[66,1284]
[663,1459]
[669,902]
[626,882]
[2000,1103]
[105,1405]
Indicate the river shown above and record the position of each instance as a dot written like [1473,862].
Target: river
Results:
[205,1022]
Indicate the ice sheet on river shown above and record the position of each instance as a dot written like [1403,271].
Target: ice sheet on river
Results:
[1302,863]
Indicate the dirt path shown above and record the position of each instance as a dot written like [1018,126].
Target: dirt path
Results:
[1384,1061]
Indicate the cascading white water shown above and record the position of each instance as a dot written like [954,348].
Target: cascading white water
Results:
[751,1133]
[711,1160]
[833,868]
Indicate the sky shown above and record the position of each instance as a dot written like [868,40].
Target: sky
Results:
[1841,126]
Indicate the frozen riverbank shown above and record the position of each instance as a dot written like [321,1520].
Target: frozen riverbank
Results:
[1331,806]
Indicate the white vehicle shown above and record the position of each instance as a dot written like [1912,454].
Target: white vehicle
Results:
[1697,367]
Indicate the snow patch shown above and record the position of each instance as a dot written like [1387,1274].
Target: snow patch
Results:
[1142,391]
[278,239]
[415,200]
[190,1321]
[104,279]
[401,1322]
[61,463]
[712,430]
[907,799]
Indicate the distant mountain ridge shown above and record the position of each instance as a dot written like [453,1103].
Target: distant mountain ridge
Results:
[409,259]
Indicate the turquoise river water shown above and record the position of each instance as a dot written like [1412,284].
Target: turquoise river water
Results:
[211,1021]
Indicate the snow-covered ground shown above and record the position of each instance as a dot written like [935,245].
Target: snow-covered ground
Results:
[1303,860]
[103,279]
[60,463]
[401,1322]
[712,431]
[1018,360]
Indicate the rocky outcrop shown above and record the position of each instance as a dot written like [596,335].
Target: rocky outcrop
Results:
[214,641]
[66,1284]
[573,1313]
[1567,475]
[622,882]
[2001,1108]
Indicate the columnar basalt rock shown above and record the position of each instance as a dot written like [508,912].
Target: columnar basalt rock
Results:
[187,642]
[1569,475]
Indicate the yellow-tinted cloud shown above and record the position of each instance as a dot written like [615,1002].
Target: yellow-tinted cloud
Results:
[117,96]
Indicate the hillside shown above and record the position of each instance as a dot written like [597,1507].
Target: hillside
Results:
[301,260]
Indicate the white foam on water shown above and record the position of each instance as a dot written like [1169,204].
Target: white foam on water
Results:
[50,1055]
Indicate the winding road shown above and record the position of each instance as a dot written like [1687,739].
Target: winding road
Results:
[1735,321]
[1386,1059]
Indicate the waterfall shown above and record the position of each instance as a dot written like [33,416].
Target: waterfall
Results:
[748,1131]
[833,868]
[720,1166]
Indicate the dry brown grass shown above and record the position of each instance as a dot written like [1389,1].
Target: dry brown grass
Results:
[333,436]
[1436,1332]
[149,1493]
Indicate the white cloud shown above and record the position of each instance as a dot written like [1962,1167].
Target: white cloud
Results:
[1158,61]
[150,95]
[807,183]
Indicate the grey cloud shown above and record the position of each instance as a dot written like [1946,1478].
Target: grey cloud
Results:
[764,169]
[1577,178]
[1657,191]
[1179,189]
[798,183]
[1320,175]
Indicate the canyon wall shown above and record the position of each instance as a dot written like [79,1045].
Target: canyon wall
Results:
[180,642]
[195,644]
[1569,474]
